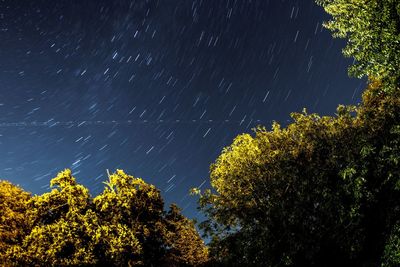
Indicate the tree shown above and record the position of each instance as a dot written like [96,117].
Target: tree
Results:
[391,255]
[123,226]
[323,191]
[60,227]
[166,239]
[138,206]
[372,29]
[185,247]
[13,206]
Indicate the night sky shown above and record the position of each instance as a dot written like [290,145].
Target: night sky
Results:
[155,87]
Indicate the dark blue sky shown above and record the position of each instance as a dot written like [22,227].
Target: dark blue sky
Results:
[155,87]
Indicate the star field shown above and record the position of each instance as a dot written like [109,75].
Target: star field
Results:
[155,87]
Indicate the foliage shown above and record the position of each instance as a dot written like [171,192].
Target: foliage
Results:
[372,29]
[187,247]
[323,191]
[13,207]
[391,255]
[131,202]
[123,226]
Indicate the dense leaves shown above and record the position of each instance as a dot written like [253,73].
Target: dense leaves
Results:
[372,29]
[185,245]
[124,226]
[13,208]
[323,191]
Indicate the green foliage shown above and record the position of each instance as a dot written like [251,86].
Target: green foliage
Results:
[123,226]
[322,191]
[391,255]
[372,29]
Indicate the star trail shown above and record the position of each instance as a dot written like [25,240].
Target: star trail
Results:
[155,87]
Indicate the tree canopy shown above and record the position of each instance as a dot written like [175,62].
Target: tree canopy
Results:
[372,30]
[12,216]
[323,191]
[125,225]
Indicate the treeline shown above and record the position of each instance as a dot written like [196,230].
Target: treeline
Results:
[125,225]
[322,191]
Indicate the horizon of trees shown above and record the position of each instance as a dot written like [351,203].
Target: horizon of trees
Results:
[125,225]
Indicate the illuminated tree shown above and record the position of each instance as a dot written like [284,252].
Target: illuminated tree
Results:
[323,191]
[372,30]
[186,248]
[61,222]
[123,226]
[138,206]
[13,207]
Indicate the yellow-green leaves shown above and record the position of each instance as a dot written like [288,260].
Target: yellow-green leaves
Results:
[186,248]
[13,224]
[373,36]
[294,194]
[126,225]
